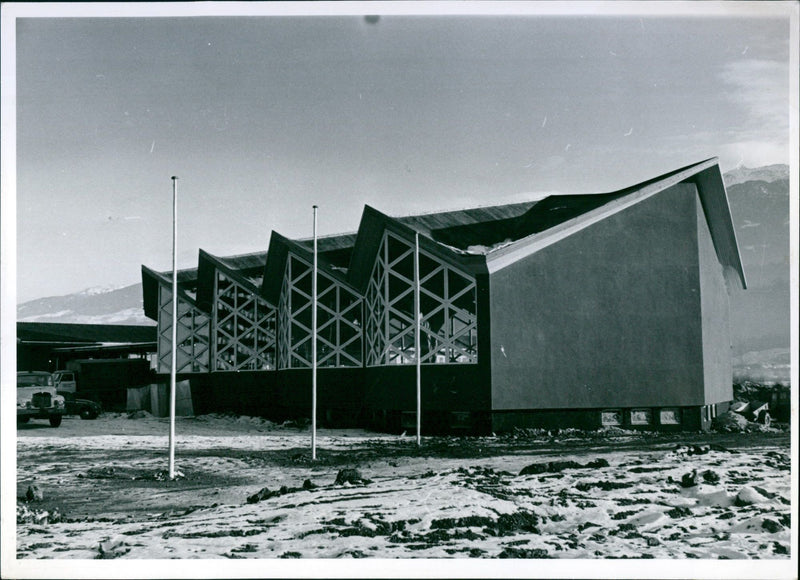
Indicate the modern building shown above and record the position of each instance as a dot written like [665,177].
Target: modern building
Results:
[570,311]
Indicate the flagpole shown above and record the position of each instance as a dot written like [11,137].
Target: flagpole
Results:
[314,346]
[417,341]
[173,349]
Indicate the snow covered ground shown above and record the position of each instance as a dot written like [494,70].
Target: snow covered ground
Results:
[601,495]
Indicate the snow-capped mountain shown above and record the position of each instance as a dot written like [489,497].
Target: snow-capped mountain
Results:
[97,305]
[760,315]
[767,173]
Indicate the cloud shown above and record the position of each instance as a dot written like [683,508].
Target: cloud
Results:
[760,91]
[753,153]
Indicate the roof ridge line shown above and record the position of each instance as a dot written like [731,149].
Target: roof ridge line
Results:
[326,236]
[468,208]
[630,196]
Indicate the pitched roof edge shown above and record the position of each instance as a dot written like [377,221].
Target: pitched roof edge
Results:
[327,237]
[149,293]
[163,280]
[323,264]
[273,268]
[362,249]
[204,291]
[372,218]
[503,257]
[720,223]
[220,264]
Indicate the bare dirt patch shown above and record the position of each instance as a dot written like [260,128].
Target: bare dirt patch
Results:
[249,489]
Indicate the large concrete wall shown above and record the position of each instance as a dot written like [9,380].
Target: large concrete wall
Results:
[608,317]
[717,370]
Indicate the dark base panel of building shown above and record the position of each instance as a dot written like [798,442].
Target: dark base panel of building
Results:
[245,393]
[444,388]
[453,423]
[282,395]
[696,418]
[455,399]
[451,403]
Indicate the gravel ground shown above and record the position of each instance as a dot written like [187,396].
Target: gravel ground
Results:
[249,490]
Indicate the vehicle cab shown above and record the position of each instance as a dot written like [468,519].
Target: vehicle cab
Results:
[37,398]
[65,381]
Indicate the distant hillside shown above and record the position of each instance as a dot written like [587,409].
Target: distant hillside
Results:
[768,173]
[759,200]
[91,306]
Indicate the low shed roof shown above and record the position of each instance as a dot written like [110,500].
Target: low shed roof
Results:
[84,333]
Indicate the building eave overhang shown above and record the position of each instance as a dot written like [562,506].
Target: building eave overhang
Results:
[330,243]
[150,293]
[207,266]
[714,199]
[110,347]
[151,280]
[279,249]
[370,233]
[65,333]
[711,189]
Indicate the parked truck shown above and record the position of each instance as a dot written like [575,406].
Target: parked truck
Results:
[37,398]
[104,381]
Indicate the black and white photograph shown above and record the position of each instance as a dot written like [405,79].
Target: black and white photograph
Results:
[399,289]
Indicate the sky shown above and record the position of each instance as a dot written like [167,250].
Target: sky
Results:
[262,117]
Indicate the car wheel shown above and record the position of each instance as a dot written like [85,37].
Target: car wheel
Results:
[87,413]
[23,419]
[55,421]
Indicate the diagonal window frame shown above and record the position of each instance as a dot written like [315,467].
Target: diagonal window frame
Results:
[343,307]
[193,335]
[388,325]
[245,337]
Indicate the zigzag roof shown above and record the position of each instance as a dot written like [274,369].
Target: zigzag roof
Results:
[477,240]
[151,281]
[711,190]
[208,264]
[279,248]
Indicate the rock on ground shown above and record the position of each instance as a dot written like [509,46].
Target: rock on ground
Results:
[33,493]
[349,475]
[731,423]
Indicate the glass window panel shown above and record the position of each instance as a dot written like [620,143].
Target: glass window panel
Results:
[611,417]
[447,304]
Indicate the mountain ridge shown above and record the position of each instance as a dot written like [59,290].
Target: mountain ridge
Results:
[766,173]
[96,305]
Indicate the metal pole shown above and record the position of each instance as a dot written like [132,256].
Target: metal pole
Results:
[417,341]
[314,347]
[174,346]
